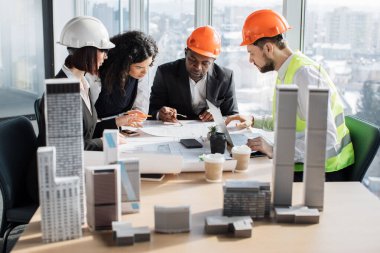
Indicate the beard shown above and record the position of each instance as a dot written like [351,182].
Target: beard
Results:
[269,65]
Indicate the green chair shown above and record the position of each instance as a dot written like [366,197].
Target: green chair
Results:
[365,138]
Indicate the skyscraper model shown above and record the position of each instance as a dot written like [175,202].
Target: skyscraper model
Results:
[315,153]
[285,133]
[59,200]
[64,129]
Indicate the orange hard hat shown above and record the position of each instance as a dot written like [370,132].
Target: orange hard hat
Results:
[263,23]
[205,40]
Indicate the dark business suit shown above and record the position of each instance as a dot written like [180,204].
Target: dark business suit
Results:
[89,123]
[171,88]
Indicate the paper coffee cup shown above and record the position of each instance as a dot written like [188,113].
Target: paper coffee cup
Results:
[242,155]
[214,167]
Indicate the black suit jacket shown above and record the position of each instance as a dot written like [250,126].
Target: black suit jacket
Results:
[171,88]
[89,123]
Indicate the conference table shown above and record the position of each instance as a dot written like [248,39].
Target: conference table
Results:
[350,221]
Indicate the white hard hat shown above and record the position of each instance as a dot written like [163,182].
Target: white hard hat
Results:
[85,31]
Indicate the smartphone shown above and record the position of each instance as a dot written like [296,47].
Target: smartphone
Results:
[191,143]
[129,133]
[152,176]
[257,154]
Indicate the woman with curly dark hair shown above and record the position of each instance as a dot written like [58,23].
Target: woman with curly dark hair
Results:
[128,62]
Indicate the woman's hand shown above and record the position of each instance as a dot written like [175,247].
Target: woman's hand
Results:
[133,118]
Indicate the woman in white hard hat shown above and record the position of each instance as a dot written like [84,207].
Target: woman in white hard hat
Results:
[87,42]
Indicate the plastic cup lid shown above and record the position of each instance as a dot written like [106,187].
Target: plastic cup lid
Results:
[243,149]
[214,158]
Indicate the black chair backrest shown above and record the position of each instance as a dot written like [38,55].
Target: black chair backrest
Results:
[18,146]
[365,138]
[37,109]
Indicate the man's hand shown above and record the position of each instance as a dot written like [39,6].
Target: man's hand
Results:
[260,144]
[167,114]
[206,116]
[245,121]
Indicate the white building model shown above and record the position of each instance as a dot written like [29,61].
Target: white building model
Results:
[64,129]
[59,200]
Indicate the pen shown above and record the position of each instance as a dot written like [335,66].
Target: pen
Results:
[183,116]
[142,114]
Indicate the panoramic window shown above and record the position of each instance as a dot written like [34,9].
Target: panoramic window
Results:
[21,57]
[170,23]
[344,37]
[254,90]
[109,13]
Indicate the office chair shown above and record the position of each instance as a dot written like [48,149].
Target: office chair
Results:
[37,110]
[18,174]
[365,138]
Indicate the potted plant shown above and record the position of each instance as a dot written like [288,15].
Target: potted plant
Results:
[212,130]
[217,140]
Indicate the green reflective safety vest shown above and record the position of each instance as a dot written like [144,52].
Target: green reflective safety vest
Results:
[336,158]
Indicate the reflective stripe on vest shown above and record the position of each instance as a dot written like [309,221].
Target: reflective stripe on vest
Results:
[342,155]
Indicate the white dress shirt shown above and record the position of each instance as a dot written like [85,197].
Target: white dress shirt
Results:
[198,94]
[84,87]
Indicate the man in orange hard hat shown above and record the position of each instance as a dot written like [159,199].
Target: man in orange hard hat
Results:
[263,35]
[180,88]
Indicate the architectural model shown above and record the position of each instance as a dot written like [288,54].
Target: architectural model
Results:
[59,200]
[297,214]
[246,198]
[64,129]
[110,141]
[315,153]
[125,234]
[103,194]
[283,160]
[130,185]
[240,226]
[172,219]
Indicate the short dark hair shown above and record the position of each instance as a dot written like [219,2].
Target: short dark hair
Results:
[278,40]
[130,47]
[84,59]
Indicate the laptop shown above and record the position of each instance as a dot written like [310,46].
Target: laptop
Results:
[232,139]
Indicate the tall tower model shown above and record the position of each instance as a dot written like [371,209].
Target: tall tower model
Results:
[64,129]
[59,200]
[285,134]
[315,153]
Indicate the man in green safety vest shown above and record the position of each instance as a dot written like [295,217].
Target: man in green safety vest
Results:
[268,51]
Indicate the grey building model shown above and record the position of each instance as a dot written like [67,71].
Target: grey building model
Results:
[64,129]
[284,139]
[315,153]
[297,214]
[124,234]
[238,226]
[246,198]
[172,219]
[59,200]
[103,194]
